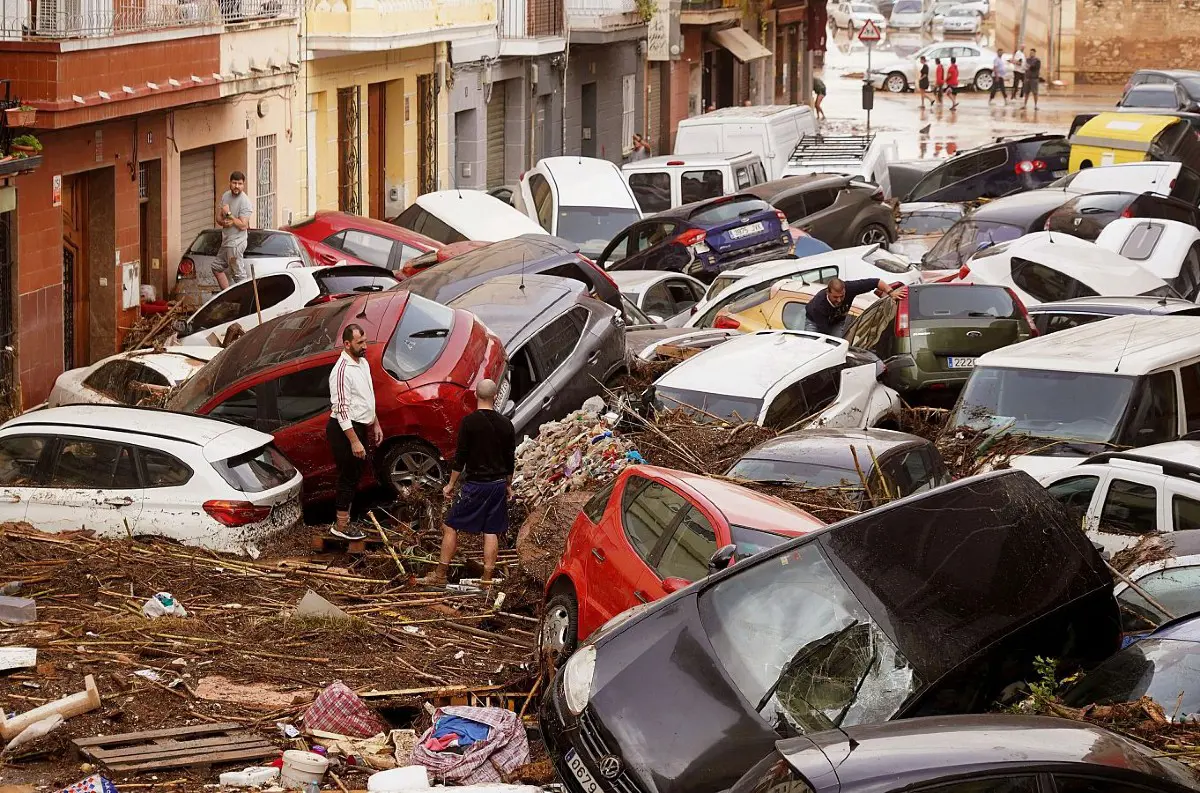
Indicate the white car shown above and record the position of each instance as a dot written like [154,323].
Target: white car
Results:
[278,294]
[853,16]
[123,471]
[1168,179]
[782,380]
[1173,579]
[1123,496]
[865,261]
[1045,267]
[664,296]
[450,216]
[129,377]
[961,19]
[974,67]
[911,15]
[580,199]
[1168,248]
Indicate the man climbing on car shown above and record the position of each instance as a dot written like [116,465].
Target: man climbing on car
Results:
[827,311]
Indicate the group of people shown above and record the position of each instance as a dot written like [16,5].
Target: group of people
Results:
[1026,74]
[945,82]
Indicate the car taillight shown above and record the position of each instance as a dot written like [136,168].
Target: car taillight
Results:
[964,271]
[1128,213]
[319,299]
[691,237]
[783,221]
[236,513]
[726,322]
[878,195]
[902,317]
[1029,166]
[187,268]
[599,270]
[1033,331]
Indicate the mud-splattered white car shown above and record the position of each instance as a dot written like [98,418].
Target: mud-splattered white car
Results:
[120,470]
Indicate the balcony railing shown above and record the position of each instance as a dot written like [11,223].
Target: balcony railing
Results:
[66,19]
[709,5]
[521,19]
[600,13]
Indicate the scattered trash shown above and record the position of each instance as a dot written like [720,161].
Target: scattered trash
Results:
[261,696]
[17,610]
[254,776]
[376,752]
[594,405]
[10,588]
[398,780]
[35,731]
[93,784]
[575,452]
[494,740]
[339,710]
[176,747]
[75,704]
[313,605]
[287,730]
[162,605]
[17,658]
[302,768]
[149,674]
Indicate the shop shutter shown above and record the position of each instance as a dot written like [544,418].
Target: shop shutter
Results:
[197,195]
[495,136]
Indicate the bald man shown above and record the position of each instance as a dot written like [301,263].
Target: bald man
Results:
[484,461]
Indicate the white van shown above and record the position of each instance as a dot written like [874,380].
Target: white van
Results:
[460,215]
[581,199]
[770,131]
[662,183]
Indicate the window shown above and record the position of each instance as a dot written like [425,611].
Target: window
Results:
[1187,186]
[794,315]
[791,206]
[1046,284]
[558,339]
[1052,323]
[523,373]
[648,509]
[573,271]
[961,302]
[617,250]
[742,177]
[648,235]
[689,549]
[926,223]
[122,381]
[163,470]
[867,332]
[241,408]
[652,191]
[94,465]
[257,470]
[19,455]
[1185,513]
[351,278]
[238,301]
[419,338]
[301,395]
[1142,239]
[760,173]
[628,111]
[699,185]
[1153,418]
[658,301]
[595,506]
[1003,784]
[1075,494]
[1079,784]
[371,248]
[1130,508]
[1177,589]
[788,408]
[819,200]
[911,472]
[264,194]
[1190,376]
[440,231]
[543,201]
[821,388]
[729,210]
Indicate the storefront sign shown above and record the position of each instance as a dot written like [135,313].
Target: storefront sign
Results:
[56,190]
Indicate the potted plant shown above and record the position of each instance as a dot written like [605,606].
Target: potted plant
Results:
[21,116]
[27,144]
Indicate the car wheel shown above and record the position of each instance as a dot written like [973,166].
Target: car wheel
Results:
[896,83]
[872,234]
[411,464]
[983,80]
[559,629]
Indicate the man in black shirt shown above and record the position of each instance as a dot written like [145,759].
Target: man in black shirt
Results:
[827,311]
[485,460]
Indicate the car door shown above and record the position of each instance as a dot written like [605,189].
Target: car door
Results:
[170,496]
[684,555]
[653,247]
[295,408]
[792,206]
[364,247]
[1130,507]
[822,219]
[22,470]
[90,483]
[618,249]
[237,304]
[566,382]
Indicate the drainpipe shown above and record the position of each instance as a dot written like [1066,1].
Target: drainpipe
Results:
[565,65]
[1024,17]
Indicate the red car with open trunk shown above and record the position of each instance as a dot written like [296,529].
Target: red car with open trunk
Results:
[425,361]
[331,237]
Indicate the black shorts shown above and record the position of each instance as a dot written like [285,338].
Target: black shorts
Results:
[924,85]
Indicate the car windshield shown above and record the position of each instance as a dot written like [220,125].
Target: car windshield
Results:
[907,7]
[801,648]
[865,9]
[1078,406]
[708,407]
[259,244]
[1167,671]
[1150,97]
[961,12]
[419,339]
[593,227]
[926,223]
[960,301]
[751,541]
[795,472]
[965,239]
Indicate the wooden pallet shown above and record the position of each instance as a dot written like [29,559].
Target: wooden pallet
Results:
[327,543]
[201,745]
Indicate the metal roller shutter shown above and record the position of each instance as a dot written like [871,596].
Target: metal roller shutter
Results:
[495,136]
[197,194]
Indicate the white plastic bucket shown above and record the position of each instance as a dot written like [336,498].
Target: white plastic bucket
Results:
[300,768]
[396,780]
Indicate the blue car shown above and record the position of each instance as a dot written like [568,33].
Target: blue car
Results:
[702,239]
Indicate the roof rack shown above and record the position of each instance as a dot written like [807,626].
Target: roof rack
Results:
[812,148]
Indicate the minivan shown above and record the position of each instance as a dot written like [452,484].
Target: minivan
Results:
[770,131]
[580,199]
[662,183]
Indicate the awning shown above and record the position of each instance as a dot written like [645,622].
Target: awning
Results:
[741,44]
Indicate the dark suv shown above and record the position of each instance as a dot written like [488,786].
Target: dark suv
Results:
[841,211]
[998,169]
[1086,216]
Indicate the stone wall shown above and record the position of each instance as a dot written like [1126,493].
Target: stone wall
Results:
[1113,38]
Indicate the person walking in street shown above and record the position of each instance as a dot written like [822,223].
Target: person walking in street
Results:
[1018,71]
[952,83]
[939,81]
[233,218]
[827,311]
[818,96]
[484,461]
[352,423]
[1033,73]
[923,83]
[999,72]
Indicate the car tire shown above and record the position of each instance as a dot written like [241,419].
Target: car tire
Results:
[896,83]
[558,630]
[983,80]
[871,234]
[411,463]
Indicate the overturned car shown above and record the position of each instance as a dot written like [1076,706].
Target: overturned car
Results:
[929,605]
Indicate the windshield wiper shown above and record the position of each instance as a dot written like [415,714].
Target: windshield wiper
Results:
[802,655]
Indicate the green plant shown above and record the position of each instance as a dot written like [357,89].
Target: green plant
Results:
[646,9]
[26,107]
[30,141]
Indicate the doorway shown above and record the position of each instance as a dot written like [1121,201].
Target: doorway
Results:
[8,255]
[587,144]
[377,149]
[75,269]
[497,109]
[150,247]
[427,180]
[349,151]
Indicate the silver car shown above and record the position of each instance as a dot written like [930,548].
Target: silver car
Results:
[974,67]
[961,19]
[911,15]
[267,250]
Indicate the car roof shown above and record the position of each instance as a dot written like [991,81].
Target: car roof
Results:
[529,251]
[751,365]
[830,447]
[710,160]
[477,215]
[1164,88]
[638,281]
[1080,259]
[508,304]
[1116,305]
[686,211]
[344,220]
[1131,344]
[1178,458]
[1184,629]
[753,112]
[587,181]
[776,187]
[1022,207]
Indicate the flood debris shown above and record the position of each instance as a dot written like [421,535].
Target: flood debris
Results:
[162,605]
[492,743]
[73,705]
[17,610]
[17,658]
[313,605]
[339,710]
[572,453]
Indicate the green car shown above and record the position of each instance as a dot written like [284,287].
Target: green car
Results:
[929,339]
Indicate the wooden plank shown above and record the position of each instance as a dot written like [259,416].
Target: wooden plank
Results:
[101,753]
[206,759]
[171,732]
[152,753]
[440,690]
[676,352]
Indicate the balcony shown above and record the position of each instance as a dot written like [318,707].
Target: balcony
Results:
[339,26]
[604,21]
[709,12]
[130,21]
[531,27]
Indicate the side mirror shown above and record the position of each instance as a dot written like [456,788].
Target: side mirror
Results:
[722,558]
[674,584]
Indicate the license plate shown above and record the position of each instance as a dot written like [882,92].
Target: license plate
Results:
[581,773]
[746,231]
[961,363]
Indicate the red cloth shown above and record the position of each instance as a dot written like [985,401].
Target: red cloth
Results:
[338,709]
[940,75]
[952,76]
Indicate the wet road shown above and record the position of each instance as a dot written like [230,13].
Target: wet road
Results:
[899,117]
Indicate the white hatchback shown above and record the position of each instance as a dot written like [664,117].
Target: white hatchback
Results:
[123,471]
[129,377]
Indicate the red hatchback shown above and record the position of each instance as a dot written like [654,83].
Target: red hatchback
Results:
[649,533]
[425,360]
[331,237]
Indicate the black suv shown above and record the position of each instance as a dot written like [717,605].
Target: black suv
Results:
[1086,216]
[998,169]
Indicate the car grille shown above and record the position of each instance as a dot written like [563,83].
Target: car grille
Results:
[592,746]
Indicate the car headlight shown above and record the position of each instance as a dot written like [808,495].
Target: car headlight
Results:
[577,678]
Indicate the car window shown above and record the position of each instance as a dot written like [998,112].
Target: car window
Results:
[1187,186]
[1047,322]
[926,223]
[821,388]
[1176,589]
[647,235]
[658,301]
[164,470]
[595,506]
[93,464]
[257,470]
[1079,784]
[121,380]
[1001,784]
[1046,284]
[819,200]
[687,553]
[647,510]
[434,227]
[868,331]
[1075,494]
[1185,513]
[558,339]
[794,315]
[301,395]
[728,210]
[240,408]
[419,338]
[618,249]
[787,408]
[760,173]
[652,191]
[911,472]
[348,278]
[1190,377]
[791,206]
[1154,417]
[524,372]
[699,185]
[962,302]
[543,200]
[371,248]
[1130,508]
[19,455]
[742,177]
[233,303]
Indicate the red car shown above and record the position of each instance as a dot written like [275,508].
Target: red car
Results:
[651,532]
[425,359]
[331,237]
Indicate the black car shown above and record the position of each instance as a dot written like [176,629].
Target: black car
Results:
[1167,96]
[702,238]
[841,211]
[968,754]
[562,345]
[924,606]
[1086,216]
[1063,314]
[998,169]
[528,254]
[997,221]
[1187,80]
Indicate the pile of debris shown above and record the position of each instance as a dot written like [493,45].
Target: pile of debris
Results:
[153,330]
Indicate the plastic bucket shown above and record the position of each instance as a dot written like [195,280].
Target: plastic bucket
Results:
[300,768]
[395,780]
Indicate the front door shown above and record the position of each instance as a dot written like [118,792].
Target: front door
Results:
[75,270]
[91,484]
[377,148]
[587,143]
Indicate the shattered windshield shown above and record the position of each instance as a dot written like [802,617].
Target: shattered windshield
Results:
[964,239]
[1162,669]
[801,647]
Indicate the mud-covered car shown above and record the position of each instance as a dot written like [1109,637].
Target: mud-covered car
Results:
[928,605]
